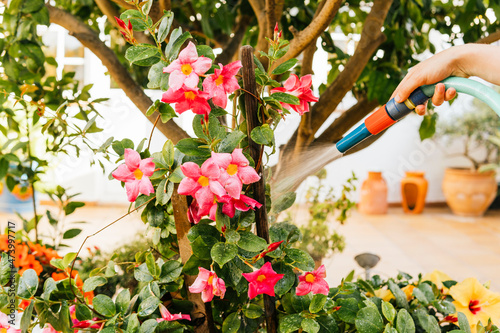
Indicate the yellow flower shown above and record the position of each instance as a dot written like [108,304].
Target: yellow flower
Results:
[384,294]
[408,290]
[437,277]
[476,302]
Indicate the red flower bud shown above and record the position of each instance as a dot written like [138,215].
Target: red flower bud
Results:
[121,24]
[223,229]
[273,246]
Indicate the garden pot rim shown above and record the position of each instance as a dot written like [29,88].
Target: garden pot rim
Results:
[469,171]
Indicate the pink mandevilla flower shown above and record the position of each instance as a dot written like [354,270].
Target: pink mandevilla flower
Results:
[135,173]
[222,83]
[262,281]
[167,316]
[209,285]
[187,99]
[201,183]
[300,89]
[5,327]
[313,281]
[236,171]
[187,68]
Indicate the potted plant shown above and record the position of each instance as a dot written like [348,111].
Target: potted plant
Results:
[469,191]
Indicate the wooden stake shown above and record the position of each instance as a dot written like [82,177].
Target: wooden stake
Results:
[251,109]
[201,310]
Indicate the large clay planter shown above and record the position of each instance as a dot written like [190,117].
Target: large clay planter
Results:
[373,198]
[413,192]
[467,192]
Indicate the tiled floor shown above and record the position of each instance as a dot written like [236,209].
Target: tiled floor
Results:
[459,246]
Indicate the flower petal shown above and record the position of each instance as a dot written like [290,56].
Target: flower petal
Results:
[191,81]
[320,287]
[132,159]
[191,170]
[233,187]
[132,190]
[201,65]
[210,170]
[248,175]
[222,159]
[217,188]
[176,80]
[188,54]
[188,186]
[147,166]
[303,288]
[123,174]
[145,186]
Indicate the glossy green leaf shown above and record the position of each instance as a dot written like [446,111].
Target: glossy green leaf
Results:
[287,65]
[28,284]
[104,305]
[223,252]
[369,320]
[251,242]
[232,323]
[93,282]
[262,135]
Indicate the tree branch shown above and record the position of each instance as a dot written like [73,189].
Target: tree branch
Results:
[259,9]
[491,38]
[347,120]
[123,4]
[110,11]
[90,39]
[270,17]
[303,38]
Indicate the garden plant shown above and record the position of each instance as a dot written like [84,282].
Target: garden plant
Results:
[202,199]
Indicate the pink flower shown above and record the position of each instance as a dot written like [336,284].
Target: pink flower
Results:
[187,99]
[236,171]
[84,323]
[230,205]
[5,326]
[135,173]
[313,281]
[208,284]
[49,329]
[222,83]
[167,316]
[300,89]
[187,68]
[262,281]
[201,183]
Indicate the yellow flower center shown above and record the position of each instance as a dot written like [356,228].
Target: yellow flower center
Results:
[203,181]
[232,169]
[310,278]
[190,95]
[210,280]
[186,69]
[219,80]
[261,278]
[138,174]
[3,330]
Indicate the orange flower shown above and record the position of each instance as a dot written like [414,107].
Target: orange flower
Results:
[24,304]
[21,258]
[32,263]
[4,243]
[22,193]
[89,296]
[408,290]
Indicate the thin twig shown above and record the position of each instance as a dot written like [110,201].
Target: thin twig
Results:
[152,130]
[85,240]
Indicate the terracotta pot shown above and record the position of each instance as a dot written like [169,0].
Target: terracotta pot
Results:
[413,192]
[467,192]
[373,198]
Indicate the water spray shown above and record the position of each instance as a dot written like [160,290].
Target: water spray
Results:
[392,112]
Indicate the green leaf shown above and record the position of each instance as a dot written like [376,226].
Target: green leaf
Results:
[404,322]
[165,26]
[253,311]
[31,6]
[232,236]
[262,135]
[388,311]
[93,282]
[72,206]
[299,259]
[26,318]
[428,126]
[327,324]
[166,112]
[287,281]
[168,153]
[284,202]
[290,323]
[71,233]
[286,98]
[232,323]
[162,196]
[148,326]
[170,271]
[151,264]
[142,54]
[223,252]
[369,320]
[463,323]
[104,305]
[133,323]
[231,141]
[420,296]
[82,312]
[191,147]
[146,6]
[201,249]
[366,285]
[251,242]
[142,274]
[348,309]
[444,306]
[148,306]
[122,301]
[28,284]
[310,325]
[400,296]
[155,216]
[284,67]
[172,49]
[4,269]
[155,77]
[317,303]
[205,50]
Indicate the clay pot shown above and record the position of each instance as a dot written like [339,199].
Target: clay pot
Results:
[413,192]
[468,192]
[373,198]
